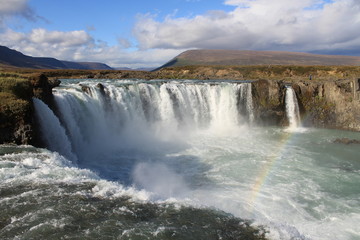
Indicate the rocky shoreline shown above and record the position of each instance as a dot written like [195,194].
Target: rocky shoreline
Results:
[325,102]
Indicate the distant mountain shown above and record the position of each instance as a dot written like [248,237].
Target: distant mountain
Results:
[135,69]
[86,65]
[247,57]
[123,68]
[145,69]
[13,58]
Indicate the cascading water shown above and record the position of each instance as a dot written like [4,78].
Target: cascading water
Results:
[175,159]
[52,132]
[292,108]
[112,116]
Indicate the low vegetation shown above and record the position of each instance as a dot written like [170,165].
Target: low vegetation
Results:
[270,72]
[14,91]
[15,104]
[17,88]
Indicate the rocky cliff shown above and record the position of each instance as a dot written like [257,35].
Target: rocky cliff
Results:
[323,103]
[326,104]
[330,104]
[17,121]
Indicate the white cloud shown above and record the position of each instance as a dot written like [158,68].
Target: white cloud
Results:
[9,8]
[13,6]
[73,45]
[41,42]
[63,39]
[118,57]
[307,25]
[80,46]
[125,43]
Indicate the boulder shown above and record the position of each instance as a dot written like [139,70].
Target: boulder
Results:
[346,141]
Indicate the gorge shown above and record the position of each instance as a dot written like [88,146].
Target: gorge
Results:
[154,159]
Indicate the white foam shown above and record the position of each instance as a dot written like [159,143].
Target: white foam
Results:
[160,180]
[191,146]
[292,108]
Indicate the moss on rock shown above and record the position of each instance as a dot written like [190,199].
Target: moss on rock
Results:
[16,108]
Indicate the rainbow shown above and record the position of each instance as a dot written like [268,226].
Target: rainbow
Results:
[285,139]
[280,150]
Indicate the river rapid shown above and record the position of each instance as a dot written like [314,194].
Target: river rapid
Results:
[133,159]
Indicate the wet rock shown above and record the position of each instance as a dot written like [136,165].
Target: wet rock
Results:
[101,87]
[17,119]
[85,89]
[24,134]
[346,141]
[268,99]
[328,104]
[42,88]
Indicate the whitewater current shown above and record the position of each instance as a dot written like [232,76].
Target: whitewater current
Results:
[133,159]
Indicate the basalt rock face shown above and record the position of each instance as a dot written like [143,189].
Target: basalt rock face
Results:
[269,102]
[17,118]
[42,88]
[330,104]
[16,122]
[325,104]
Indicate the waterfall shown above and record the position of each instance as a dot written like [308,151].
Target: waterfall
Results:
[245,101]
[52,132]
[127,114]
[292,108]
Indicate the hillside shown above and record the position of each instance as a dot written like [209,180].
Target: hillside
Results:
[12,58]
[247,58]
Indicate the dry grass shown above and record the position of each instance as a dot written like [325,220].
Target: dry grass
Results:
[15,97]
[271,72]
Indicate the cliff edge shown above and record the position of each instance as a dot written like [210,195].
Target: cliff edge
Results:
[17,122]
[325,104]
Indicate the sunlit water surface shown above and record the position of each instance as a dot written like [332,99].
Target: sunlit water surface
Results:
[155,184]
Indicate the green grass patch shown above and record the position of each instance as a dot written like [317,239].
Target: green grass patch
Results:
[15,99]
[17,86]
[12,105]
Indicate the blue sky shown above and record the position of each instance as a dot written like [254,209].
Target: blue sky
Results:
[109,20]
[143,33]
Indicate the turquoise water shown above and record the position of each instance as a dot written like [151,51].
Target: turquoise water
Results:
[152,179]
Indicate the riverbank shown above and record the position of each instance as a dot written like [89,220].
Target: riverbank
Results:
[115,143]
[17,120]
[203,72]
[328,96]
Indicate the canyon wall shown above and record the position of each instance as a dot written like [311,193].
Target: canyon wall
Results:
[17,120]
[325,104]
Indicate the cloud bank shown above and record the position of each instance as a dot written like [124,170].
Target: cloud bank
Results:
[16,8]
[321,26]
[81,46]
[307,25]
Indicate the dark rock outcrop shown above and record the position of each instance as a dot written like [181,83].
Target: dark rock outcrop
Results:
[16,122]
[42,88]
[347,141]
[329,104]
[325,104]
[268,99]
[17,118]
[85,89]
